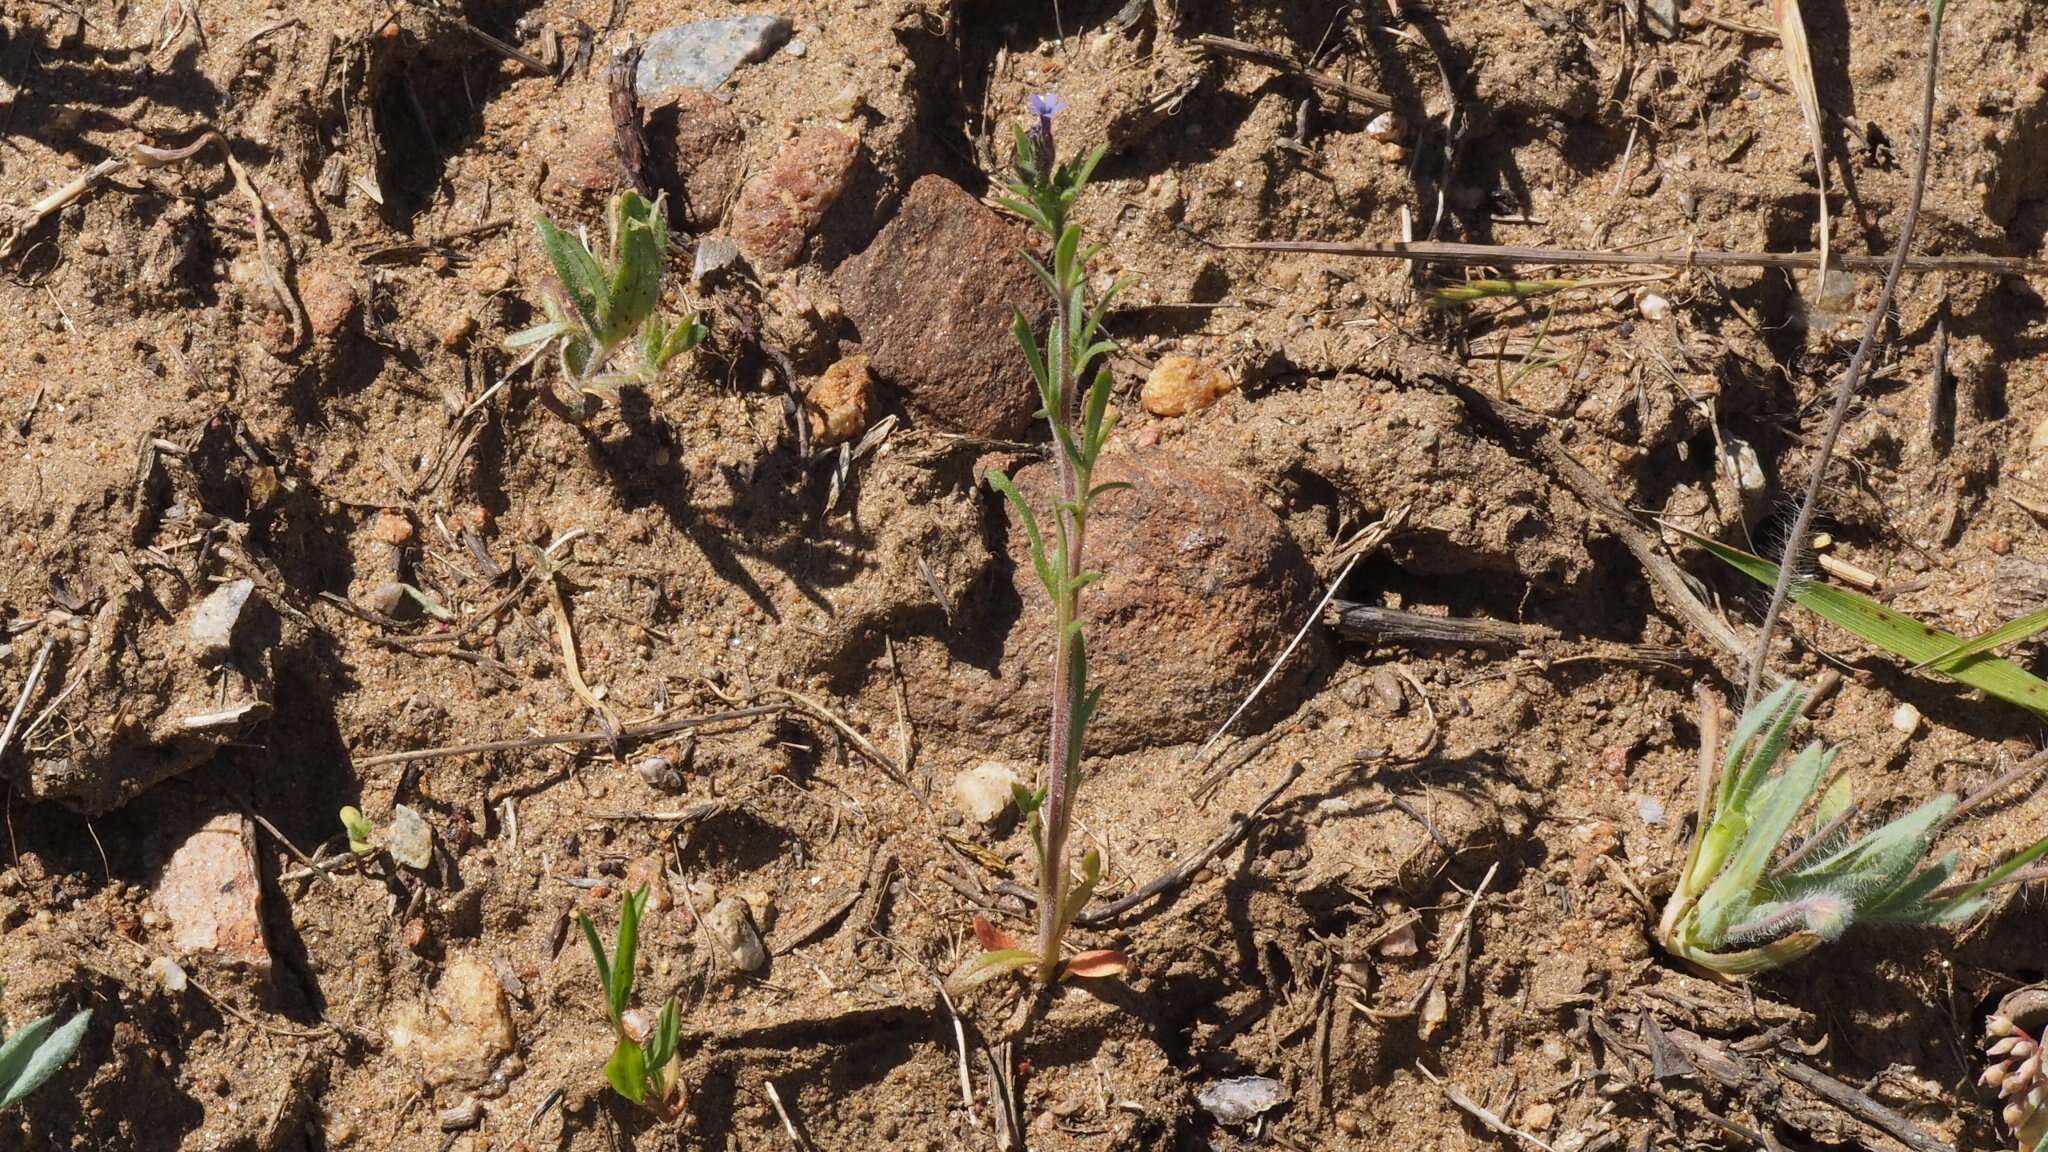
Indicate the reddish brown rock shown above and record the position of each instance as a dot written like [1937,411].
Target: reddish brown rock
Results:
[209,888]
[694,141]
[1202,588]
[330,303]
[583,169]
[780,208]
[933,298]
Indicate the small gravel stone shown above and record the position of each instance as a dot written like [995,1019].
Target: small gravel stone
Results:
[1179,385]
[1906,719]
[704,54]
[839,402]
[408,839]
[983,792]
[210,891]
[731,924]
[1242,1099]
[213,622]
[330,303]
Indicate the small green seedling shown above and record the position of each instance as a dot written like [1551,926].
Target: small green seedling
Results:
[1742,905]
[31,1056]
[362,836]
[1073,392]
[641,1069]
[608,309]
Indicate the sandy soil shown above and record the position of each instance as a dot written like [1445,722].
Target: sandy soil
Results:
[1450,898]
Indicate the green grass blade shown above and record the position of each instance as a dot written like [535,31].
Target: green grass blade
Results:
[2032,624]
[1895,632]
[604,966]
[1998,874]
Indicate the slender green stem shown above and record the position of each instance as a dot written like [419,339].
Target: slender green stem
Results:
[1071,517]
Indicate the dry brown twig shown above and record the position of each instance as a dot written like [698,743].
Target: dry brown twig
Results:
[1457,252]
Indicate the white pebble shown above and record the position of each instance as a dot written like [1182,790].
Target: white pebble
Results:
[1906,719]
[1653,307]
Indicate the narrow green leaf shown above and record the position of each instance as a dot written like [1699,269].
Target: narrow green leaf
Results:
[538,334]
[986,966]
[1051,284]
[1028,341]
[578,271]
[1084,168]
[1895,632]
[627,1071]
[1001,483]
[1991,879]
[27,1066]
[629,949]
[1833,802]
[1106,487]
[604,967]
[1063,256]
[1776,804]
[660,1047]
[2032,624]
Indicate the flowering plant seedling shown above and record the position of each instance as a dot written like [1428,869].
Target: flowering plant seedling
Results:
[31,1056]
[608,309]
[1742,905]
[643,1067]
[362,835]
[1076,404]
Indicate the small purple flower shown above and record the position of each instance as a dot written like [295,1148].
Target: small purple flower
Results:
[1044,106]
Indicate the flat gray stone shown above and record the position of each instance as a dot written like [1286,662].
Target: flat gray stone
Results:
[704,54]
[213,622]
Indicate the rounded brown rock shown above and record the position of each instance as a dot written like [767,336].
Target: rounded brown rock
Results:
[1202,588]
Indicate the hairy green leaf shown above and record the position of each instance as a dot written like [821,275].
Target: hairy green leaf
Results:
[983,967]
[1002,483]
[31,1056]
[639,256]
[578,271]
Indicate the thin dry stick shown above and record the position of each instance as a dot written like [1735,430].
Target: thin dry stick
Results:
[1845,394]
[1224,46]
[28,689]
[1478,1112]
[1370,539]
[860,742]
[1180,873]
[1458,252]
[629,732]
[789,1126]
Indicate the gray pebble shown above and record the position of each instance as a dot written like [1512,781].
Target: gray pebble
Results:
[704,54]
